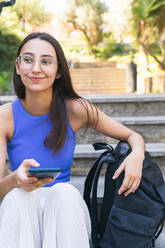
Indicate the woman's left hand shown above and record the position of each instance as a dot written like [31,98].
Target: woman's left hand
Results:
[132,165]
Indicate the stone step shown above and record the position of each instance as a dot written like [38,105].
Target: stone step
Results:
[152,128]
[85,155]
[5,99]
[129,104]
[122,104]
[95,64]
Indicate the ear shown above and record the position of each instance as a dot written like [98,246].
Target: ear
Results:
[17,67]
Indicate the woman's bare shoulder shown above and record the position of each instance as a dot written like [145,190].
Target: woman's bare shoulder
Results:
[80,112]
[5,110]
[79,108]
[6,118]
[76,113]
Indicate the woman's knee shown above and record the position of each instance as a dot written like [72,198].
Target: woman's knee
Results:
[65,192]
[16,196]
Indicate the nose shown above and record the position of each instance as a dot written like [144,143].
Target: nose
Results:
[36,66]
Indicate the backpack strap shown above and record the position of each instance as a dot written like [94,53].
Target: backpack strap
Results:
[108,158]
[89,185]
[108,197]
[89,180]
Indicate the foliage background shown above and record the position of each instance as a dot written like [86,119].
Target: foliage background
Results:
[15,23]
[91,28]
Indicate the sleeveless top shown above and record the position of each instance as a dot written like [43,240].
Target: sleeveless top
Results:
[28,143]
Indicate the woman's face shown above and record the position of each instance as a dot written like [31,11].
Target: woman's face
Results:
[37,65]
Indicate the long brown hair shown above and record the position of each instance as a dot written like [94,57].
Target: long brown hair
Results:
[62,89]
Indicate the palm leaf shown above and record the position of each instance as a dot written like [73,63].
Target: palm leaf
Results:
[156,7]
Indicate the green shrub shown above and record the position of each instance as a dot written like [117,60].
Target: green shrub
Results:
[4,82]
[8,48]
[111,49]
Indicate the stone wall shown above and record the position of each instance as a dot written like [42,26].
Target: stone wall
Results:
[155,84]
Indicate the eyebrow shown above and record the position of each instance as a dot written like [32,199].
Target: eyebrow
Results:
[43,55]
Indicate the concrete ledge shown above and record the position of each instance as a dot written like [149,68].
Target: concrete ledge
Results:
[6,99]
[131,97]
[141,120]
[85,156]
[87,150]
[106,98]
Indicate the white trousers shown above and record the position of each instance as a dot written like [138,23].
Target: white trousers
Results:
[55,217]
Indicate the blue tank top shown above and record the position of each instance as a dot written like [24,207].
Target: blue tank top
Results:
[28,143]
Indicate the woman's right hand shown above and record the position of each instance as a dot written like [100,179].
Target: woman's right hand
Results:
[29,183]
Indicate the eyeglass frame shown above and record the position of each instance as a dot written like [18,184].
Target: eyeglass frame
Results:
[18,59]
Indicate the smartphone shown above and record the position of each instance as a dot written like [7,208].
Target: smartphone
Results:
[44,172]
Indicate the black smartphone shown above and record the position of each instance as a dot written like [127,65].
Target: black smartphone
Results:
[44,172]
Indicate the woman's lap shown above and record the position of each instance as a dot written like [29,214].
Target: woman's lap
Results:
[60,206]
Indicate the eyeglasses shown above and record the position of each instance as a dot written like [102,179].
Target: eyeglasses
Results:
[27,62]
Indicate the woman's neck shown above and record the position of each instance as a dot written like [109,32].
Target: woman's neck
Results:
[37,104]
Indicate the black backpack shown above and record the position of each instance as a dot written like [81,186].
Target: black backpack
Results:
[134,221]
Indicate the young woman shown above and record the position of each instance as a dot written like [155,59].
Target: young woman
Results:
[38,130]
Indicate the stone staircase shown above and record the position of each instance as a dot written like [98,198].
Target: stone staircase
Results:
[99,80]
[142,113]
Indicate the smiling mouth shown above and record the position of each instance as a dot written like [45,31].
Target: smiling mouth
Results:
[36,79]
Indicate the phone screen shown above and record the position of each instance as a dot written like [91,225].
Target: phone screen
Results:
[44,172]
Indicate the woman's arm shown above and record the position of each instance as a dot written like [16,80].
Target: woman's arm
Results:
[102,123]
[132,165]
[7,183]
